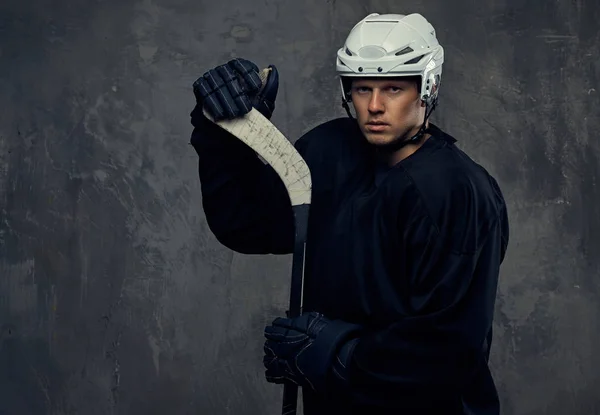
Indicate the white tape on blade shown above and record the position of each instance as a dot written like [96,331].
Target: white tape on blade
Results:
[263,137]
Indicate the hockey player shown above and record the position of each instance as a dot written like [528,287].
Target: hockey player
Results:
[406,232]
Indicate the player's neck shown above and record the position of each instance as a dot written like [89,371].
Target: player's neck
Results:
[403,153]
[392,158]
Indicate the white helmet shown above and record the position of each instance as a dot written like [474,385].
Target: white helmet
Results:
[392,45]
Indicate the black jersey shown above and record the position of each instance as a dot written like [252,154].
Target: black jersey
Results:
[410,252]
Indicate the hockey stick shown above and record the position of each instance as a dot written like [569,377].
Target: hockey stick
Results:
[264,138]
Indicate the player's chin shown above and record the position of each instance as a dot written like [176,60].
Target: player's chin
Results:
[379,139]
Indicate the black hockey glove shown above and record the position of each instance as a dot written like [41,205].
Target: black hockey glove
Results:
[232,89]
[310,351]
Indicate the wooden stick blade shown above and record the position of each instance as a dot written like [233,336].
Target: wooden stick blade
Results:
[256,131]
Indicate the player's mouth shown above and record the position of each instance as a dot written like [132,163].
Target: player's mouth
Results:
[377,126]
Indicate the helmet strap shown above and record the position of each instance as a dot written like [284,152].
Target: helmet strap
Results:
[347,108]
[429,107]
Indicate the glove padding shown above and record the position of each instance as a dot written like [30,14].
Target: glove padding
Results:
[310,351]
[232,89]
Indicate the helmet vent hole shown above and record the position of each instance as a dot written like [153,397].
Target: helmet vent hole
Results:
[415,60]
[404,51]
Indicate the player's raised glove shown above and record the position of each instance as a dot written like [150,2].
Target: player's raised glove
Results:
[231,90]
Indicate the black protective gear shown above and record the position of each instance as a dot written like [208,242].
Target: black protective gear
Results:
[231,90]
[303,349]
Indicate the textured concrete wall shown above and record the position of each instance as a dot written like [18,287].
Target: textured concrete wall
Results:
[115,298]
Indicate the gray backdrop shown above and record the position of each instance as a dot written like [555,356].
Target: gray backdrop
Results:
[115,298]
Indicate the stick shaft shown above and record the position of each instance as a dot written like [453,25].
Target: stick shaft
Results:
[290,391]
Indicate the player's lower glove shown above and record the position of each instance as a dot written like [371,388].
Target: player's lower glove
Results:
[309,350]
[231,90]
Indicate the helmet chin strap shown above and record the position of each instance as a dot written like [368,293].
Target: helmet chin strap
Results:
[424,129]
[347,108]
[398,143]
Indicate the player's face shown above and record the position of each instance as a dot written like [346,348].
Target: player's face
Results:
[387,109]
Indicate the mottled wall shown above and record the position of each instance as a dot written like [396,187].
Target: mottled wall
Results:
[115,298]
